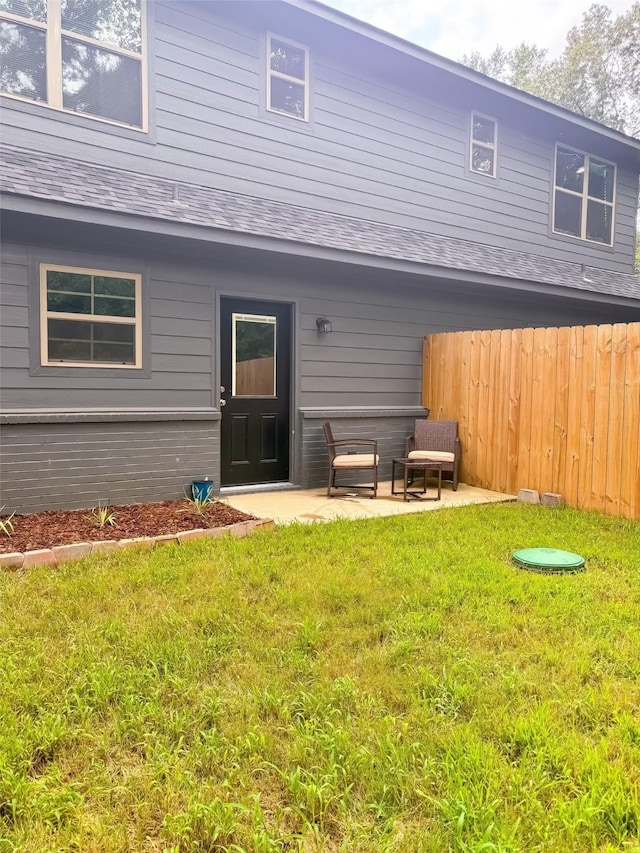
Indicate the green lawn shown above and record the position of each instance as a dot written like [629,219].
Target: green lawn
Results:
[384,685]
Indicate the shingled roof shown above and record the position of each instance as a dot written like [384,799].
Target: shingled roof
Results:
[45,176]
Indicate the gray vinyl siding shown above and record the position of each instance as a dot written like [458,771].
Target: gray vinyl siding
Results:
[51,466]
[373,149]
[372,357]
[178,339]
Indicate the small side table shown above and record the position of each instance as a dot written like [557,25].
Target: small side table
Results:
[409,465]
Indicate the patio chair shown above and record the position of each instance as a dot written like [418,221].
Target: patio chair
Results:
[437,440]
[341,459]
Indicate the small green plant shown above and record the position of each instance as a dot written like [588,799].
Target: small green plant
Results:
[102,517]
[197,505]
[7,526]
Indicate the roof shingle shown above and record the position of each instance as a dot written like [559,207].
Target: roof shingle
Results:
[46,176]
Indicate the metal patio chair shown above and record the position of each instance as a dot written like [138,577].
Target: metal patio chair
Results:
[341,459]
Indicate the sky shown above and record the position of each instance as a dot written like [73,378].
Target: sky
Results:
[453,28]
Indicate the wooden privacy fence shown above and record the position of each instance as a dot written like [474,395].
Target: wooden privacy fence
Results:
[556,410]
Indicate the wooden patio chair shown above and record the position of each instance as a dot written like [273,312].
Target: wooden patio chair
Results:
[340,459]
[437,440]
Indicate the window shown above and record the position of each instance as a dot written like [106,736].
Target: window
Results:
[81,56]
[287,78]
[89,318]
[254,356]
[484,145]
[584,189]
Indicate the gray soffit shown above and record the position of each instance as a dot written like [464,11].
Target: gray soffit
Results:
[60,179]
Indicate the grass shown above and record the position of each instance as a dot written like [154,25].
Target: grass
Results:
[385,685]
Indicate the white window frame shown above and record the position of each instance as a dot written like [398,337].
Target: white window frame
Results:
[272,73]
[584,195]
[53,53]
[46,315]
[492,146]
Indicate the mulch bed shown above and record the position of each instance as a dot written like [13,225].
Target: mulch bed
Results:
[65,527]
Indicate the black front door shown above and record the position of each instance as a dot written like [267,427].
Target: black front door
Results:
[255,359]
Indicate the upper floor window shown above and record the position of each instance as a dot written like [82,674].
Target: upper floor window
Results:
[484,145]
[287,78]
[90,318]
[584,190]
[82,56]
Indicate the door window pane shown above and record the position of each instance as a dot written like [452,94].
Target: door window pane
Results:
[568,214]
[101,83]
[23,68]
[254,356]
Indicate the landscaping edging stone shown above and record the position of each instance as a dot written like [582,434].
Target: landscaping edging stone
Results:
[66,553]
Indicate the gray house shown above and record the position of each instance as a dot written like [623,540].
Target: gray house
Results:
[225,222]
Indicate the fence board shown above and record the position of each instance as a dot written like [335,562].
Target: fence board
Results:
[574,451]
[615,439]
[513,414]
[484,438]
[548,409]
[501,406]
[601,416]
[560,425]
[471,444]
[587,416]
[427,392]
[630,475]
[439,377]
[539,410]
[526,411]
[463,347]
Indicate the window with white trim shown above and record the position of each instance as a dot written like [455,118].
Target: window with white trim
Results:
[484,145]
[90,318]
[287,78]
[81,56]
[584,190]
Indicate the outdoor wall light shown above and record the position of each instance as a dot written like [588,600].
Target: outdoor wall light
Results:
[323,324]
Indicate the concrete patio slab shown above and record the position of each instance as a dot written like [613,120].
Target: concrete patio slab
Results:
[313,505]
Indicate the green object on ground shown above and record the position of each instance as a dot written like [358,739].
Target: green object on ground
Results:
[549,560]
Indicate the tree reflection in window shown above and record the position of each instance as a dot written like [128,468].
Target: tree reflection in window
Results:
[23,68]
[483,145]
[583,196]
[287,86]
[103,80]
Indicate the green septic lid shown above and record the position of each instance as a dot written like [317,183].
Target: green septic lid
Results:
[548,560]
